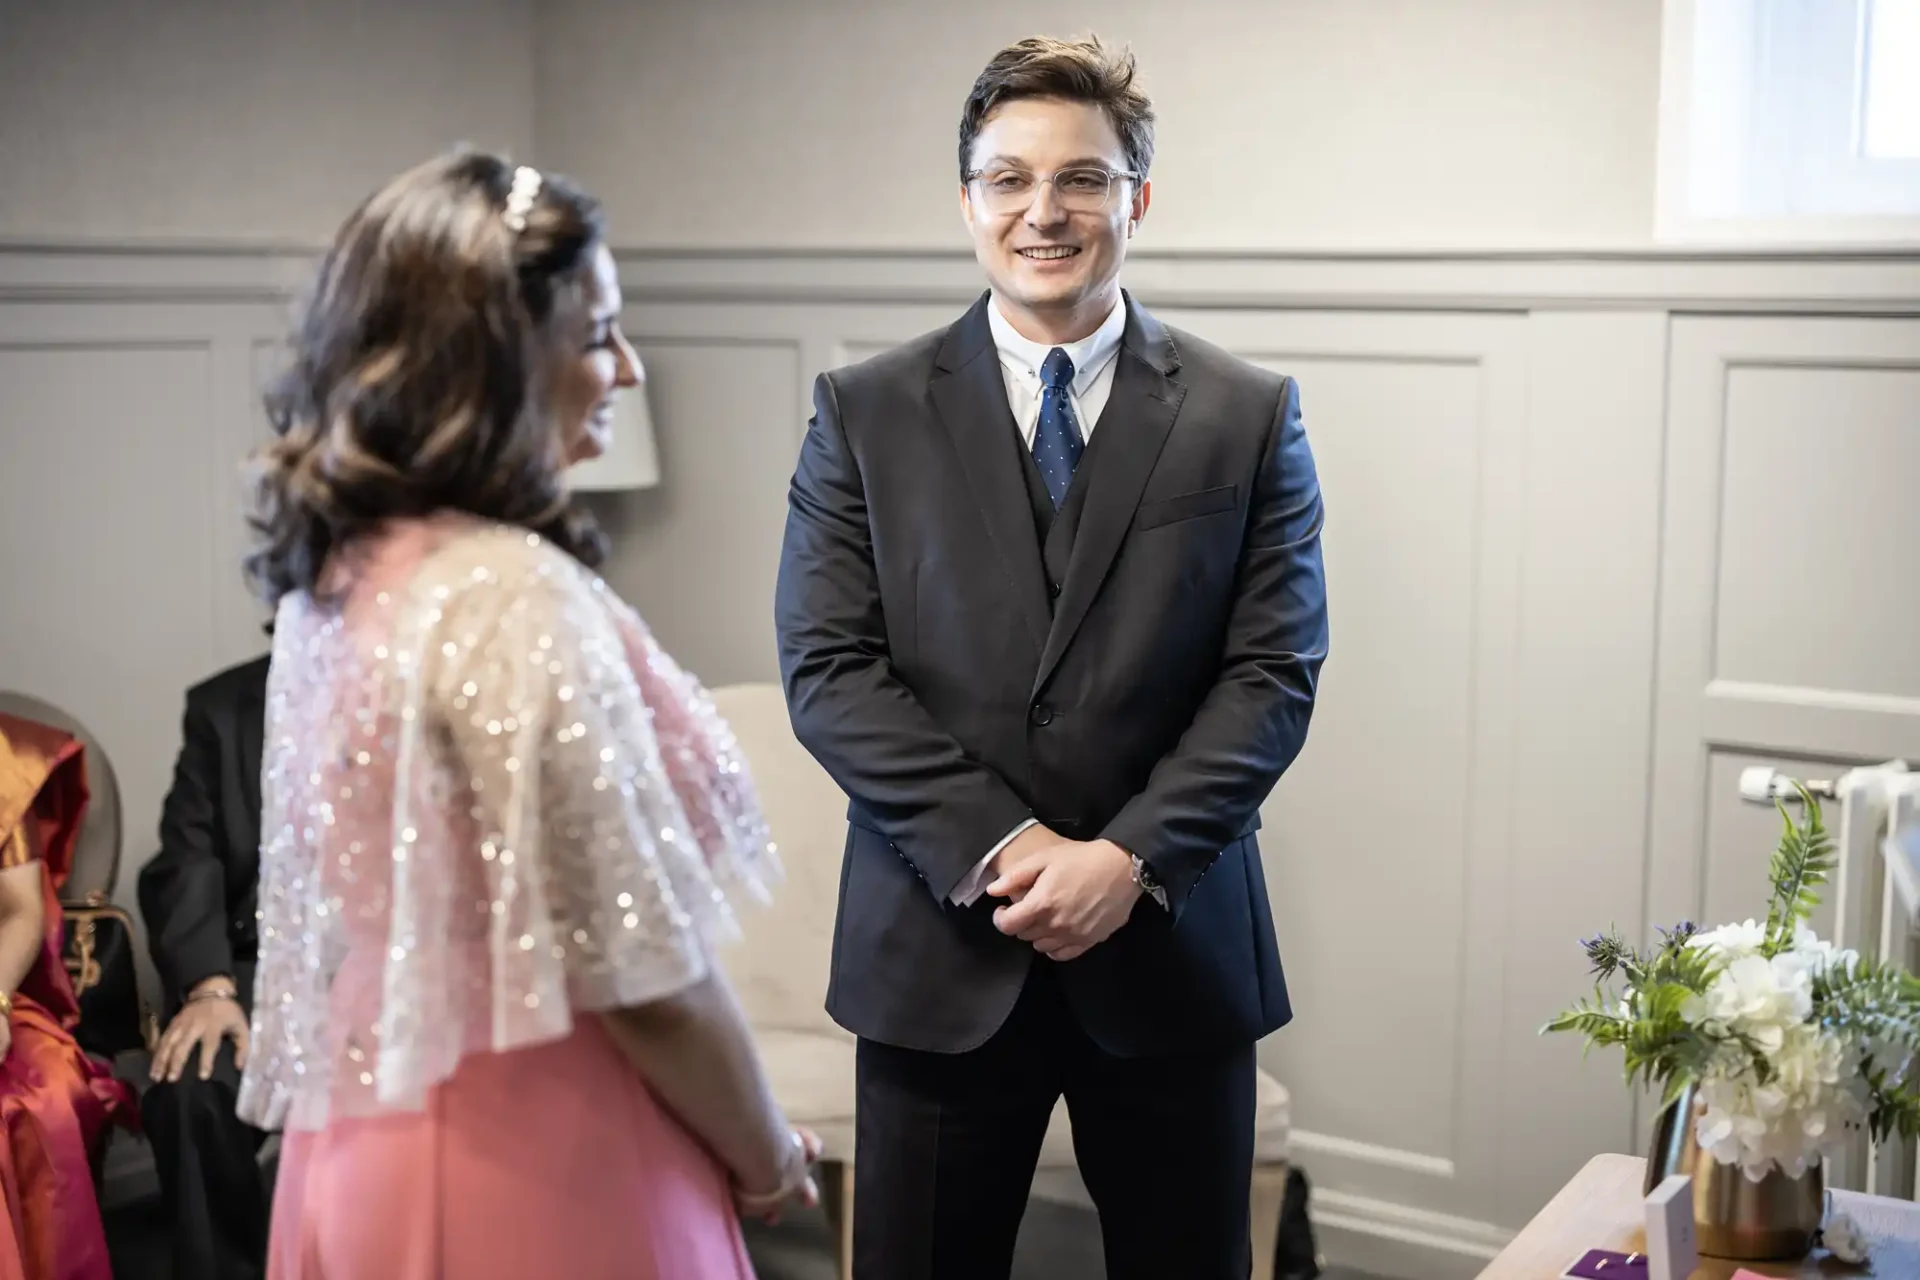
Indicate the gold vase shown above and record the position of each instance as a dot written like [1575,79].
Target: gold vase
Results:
[1734,1217]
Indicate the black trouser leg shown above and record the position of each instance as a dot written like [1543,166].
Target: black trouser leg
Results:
[210,1179]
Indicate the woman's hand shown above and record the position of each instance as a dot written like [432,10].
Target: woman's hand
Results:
[796,1182]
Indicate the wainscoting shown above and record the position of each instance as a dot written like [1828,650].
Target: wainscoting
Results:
[1602,529]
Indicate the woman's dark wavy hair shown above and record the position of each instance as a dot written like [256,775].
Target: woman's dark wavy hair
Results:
[418,368]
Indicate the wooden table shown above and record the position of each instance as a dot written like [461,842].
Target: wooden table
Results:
[1602,1209]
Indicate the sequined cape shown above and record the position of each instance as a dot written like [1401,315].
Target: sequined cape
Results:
[490,803]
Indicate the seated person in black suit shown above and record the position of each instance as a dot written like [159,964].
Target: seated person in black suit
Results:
[198,896]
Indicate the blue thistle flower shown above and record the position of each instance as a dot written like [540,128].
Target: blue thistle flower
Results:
[1679,935]
[1605,952]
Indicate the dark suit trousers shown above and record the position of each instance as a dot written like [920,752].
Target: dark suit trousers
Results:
[214,1190]
[946,1146]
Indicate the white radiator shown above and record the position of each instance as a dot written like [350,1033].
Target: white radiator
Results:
[1876,912]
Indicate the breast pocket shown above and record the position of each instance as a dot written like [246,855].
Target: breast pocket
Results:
[1187,506]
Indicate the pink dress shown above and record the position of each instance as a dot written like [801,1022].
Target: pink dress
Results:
[491,807]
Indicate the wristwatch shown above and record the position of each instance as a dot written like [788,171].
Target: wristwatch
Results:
[1149,882]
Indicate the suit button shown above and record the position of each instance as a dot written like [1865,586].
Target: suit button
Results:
[1042,713]
[1053,590]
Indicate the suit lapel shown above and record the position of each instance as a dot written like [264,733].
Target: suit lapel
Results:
[1129,437]
[970,396]
[250,714]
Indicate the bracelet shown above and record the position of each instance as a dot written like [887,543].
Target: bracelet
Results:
[6,1005]
[215,993]
[793,1176]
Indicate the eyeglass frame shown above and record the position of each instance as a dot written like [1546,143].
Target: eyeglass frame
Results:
[973,176]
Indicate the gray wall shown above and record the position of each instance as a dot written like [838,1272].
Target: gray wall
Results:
[221,120]
[1284,123]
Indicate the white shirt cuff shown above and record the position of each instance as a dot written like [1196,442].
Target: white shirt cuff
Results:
[975,882]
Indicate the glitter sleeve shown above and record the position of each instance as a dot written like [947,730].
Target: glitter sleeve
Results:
[567,817]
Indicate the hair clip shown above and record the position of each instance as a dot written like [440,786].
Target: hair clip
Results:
[526,187]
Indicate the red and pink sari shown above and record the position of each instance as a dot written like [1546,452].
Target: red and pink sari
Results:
[55,1101]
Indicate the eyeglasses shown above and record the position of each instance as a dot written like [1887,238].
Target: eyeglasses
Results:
[1079,190]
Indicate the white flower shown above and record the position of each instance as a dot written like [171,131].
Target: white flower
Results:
[1757,997]
[1844,1239]
[1812,1090]
[1732,939]
[1800,1113]
[1816,954]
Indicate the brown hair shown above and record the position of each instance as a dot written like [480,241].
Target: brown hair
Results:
[1076,70]
[415,383]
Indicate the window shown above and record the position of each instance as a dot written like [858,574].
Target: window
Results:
[1890,85]
[1790,120]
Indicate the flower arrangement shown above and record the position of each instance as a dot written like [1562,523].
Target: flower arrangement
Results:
[1790,1043]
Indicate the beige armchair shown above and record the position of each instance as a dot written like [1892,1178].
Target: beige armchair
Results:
[780,970]
[780,966]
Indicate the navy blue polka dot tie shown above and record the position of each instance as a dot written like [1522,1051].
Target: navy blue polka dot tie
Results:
[1056,440]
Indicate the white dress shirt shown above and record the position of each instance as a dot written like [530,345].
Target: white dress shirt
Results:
[1094,358]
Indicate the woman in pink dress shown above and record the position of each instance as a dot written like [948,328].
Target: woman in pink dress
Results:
[500,827]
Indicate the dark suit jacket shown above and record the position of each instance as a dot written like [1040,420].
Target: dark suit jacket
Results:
[198,893]
[1144,676]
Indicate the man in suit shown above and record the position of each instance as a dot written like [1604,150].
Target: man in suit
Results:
[197,896]
[1051,611]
